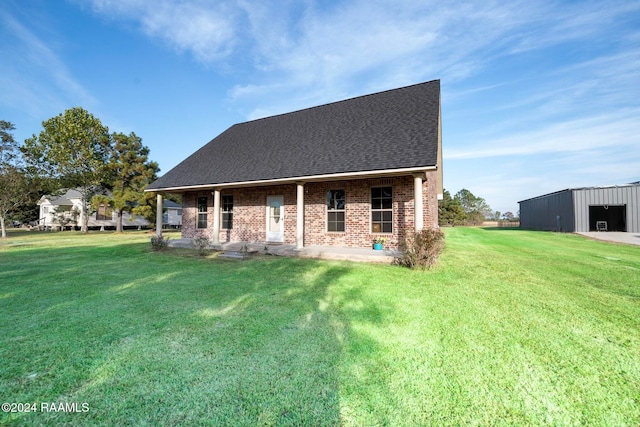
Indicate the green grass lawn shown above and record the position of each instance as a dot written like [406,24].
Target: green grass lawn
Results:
[510,328]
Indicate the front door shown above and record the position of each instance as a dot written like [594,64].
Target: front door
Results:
[275,218]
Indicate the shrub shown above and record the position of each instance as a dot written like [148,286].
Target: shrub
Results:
[159,243]
[202,244]
[421,249]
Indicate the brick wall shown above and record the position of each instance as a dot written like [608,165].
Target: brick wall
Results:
[249,211]
[190,215]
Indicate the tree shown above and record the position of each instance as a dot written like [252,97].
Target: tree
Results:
[148,208]
[14,192]
[130,172]
[466,199]
[74,147]
[508,216]
[475,208]
[450,211]
[15,184]
[8,146]
[65,216]
[36,187]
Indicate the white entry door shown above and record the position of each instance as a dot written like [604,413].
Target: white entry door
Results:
[275,218]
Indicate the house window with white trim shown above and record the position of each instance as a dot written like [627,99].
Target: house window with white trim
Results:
[227,212]
[104,213]
[202,212]
[381,210]
[335,210]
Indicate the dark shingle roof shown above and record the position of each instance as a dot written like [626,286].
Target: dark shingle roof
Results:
[63,199]
[171,204]
[395,129]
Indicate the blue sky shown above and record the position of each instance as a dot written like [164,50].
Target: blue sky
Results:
[537,96]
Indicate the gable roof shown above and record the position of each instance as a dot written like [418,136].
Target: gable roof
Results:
[390,130]
[61,199]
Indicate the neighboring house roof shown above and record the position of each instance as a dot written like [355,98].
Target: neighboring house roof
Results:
[62,199]
[395,129]
[170,204]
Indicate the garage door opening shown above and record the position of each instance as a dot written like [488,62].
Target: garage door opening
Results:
[608,218]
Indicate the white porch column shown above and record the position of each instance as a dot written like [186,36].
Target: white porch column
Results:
[159,215]
[418,215]
[216,217]
[300,215]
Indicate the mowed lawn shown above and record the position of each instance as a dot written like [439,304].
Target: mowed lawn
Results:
[511,328]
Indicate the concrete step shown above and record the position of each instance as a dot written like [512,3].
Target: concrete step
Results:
[233,255]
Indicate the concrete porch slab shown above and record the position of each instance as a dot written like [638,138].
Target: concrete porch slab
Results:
[385,256]
[313,251]
[236,249]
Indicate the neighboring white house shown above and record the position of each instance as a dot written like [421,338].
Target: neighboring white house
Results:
[66,211]
[171,214]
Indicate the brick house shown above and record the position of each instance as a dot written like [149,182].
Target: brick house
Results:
[338,174]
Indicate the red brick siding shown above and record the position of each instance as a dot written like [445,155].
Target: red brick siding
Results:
[249,211]
[430,200]
[190,215]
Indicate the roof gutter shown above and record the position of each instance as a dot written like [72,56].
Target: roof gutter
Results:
[310,178]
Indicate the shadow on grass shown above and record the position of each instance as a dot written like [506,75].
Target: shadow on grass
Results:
[160,339]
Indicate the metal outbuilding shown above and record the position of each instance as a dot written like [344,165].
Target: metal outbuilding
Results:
[609,208]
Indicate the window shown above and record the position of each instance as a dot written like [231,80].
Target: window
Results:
[202,212]
[179,212]
[381,210]
[335,210]
[105,213]
[227,212]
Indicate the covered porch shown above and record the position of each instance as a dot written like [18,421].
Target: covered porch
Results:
[299,213]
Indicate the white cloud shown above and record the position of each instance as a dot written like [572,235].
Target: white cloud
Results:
[358,47]
[557,23]
[306,53]
[36,79]
[588,133]
[313,52]
[576,105]
[207,29]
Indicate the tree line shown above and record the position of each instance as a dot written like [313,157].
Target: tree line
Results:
[464,208]
[75,150]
